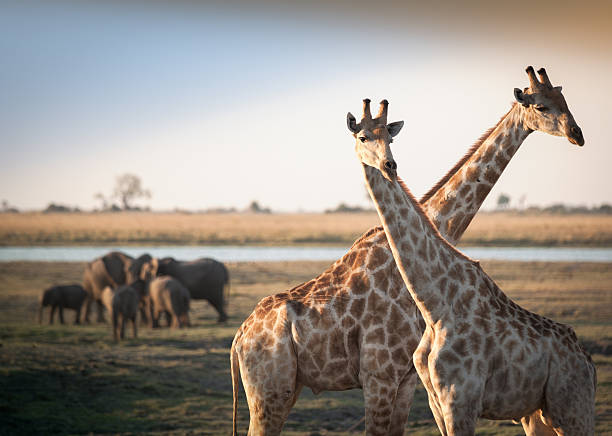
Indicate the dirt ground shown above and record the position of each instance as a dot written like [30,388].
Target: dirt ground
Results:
[66,379]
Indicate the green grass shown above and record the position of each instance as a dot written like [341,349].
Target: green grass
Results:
[75,380]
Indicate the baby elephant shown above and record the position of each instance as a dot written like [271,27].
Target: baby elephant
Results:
[124,306]
[168,295]
[67,296]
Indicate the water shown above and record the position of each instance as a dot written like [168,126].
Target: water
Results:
[244,254]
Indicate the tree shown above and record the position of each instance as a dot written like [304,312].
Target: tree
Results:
[503,201]
[254,207]
[128,187]
[102,199]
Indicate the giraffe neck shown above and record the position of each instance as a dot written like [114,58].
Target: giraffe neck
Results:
[419,250]
[452,206]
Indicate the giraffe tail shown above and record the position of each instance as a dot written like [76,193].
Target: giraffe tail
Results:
[235,368]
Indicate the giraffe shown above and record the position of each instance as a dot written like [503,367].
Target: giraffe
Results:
[368,269]
[481,354]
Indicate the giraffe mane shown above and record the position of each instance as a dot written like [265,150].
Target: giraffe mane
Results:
[461,161]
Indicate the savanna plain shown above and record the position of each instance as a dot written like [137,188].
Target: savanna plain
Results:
[67,379]
[143,228]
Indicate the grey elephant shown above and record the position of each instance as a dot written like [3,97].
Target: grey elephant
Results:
[113,269]
[60,297]
[167,294]
[205,279]
[124,306]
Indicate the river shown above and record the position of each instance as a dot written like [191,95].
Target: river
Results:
[289,253]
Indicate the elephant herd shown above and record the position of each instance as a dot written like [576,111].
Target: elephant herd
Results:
[126,286]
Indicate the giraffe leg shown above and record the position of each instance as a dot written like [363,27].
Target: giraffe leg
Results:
[271,388]
[436,410]
[534,425]
[403,401]
[460,420]
[378,396]
[570,400]
[420,359]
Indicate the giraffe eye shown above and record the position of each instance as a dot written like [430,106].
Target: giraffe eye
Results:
[363,138]
[541,108]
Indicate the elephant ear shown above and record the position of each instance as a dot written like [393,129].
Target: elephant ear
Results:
[115,268]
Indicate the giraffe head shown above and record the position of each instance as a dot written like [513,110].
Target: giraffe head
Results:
[546,109]
[373,137]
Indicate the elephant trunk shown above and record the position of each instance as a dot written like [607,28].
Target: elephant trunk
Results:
[40,313]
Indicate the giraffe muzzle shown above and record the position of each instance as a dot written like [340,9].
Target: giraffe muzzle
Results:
[389,170]
[575,136]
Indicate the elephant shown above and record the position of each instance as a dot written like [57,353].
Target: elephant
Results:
[66,296]
[113,269]
[205,279]
[167,294]
[107,298]
[124,306]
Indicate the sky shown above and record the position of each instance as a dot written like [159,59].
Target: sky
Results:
[217,104]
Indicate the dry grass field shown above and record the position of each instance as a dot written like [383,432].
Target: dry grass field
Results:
[75,380]
[284,229]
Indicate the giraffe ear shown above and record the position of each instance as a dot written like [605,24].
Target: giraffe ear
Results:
[394,128]
[522,98]
[351,122]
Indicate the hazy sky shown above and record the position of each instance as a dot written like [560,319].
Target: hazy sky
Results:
[215,105]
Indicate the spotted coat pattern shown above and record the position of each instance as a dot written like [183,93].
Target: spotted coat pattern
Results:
[355,325]
[481,354]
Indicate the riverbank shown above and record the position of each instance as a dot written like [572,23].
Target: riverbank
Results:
[67,379]
[142,228]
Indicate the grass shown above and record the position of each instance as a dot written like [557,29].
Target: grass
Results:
[284,229]
[75,380]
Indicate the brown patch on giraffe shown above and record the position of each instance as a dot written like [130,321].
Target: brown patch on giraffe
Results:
[357,307]
[482,310]
[296,306]
[400,357]
[451,291]
[432,302]
[510,345]
[381,280]
[414,236]
[460,346]
[359,283]
[335,347]
[347,322]
[447,207]
[489,345]
[340,303]
[501,327]
[466,299]
[465,190]
[375,303]
[482,191]
[378,257]
[449,357]
[491,175]
[482,324]
[324,281]
[462,327]
[382,356]
[376,336]
[360,258]
[456,273]
[395,319]
[393,339]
